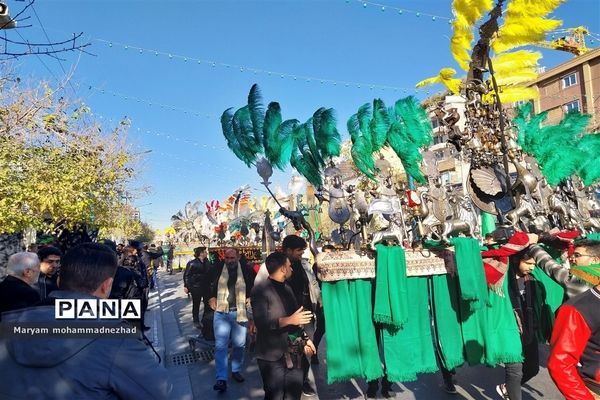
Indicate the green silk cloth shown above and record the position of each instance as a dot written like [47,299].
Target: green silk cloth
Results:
[549,295]
[489,329]
[473,286]
[351,342]
[361,295]
[391,297]
[445,298]
[488,223]
[501,333]
[409,351]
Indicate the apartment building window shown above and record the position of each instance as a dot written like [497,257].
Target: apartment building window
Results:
[572,106]
[439,139]
[569,80]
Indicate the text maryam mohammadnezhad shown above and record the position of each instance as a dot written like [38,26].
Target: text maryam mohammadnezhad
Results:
[67,330]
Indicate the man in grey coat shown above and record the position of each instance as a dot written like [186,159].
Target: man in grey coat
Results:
[101,367]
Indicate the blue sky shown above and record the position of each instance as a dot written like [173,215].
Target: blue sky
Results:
[341,41]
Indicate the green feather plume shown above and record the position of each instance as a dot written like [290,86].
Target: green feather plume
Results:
[313,150]
[416,121]
[232,140]
[303,157]
[288,141]
[408,152]
[410,130]
[364,119]
[555,147]
[528,125]
[242,129]
[257,112]
[271,139]
[327,137]
[316,120]
[353,126]
[589,170]
[362,155]
[379,124]
[362,141]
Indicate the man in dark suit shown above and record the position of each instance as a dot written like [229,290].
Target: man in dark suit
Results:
[15,291]
[281,342]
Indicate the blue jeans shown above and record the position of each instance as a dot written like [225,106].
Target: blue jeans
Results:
[226,327]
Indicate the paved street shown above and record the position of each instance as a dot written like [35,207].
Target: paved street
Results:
[193,376]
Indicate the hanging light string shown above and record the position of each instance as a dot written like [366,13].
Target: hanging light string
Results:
[400,11]
[196,162]
[166,136]
[243,68]
[151,103]
[196,113]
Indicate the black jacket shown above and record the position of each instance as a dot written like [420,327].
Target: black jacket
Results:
[523,304]
[16,294]
[127,284]
[46,285]
[267,308]
[247,271]
[55,368]
[198,274]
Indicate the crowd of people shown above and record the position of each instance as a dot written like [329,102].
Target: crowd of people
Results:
[279,306]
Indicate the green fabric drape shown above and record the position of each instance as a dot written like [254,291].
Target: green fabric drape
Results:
[361,296]
[409,351]
[501,334]
[471,276]
[351,342]
[343,355]
[488,223]
[593,236]
[446,300]
[549,295]
[473,324]
[391,300]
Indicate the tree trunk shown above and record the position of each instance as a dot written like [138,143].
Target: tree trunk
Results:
[9,245]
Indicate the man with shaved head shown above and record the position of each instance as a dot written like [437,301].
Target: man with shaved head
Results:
[230,295]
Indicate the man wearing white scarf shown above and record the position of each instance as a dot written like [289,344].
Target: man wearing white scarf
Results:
[231,286]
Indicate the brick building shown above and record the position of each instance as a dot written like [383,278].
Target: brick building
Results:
[572,85]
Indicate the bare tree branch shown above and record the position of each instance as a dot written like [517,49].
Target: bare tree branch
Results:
[24,48]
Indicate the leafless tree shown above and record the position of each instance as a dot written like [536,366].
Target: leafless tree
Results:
[17,47]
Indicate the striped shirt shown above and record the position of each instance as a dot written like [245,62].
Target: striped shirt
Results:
[572,284]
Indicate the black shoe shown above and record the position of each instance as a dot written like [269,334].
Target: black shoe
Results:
[388,394]
[307,389]
[146,328]
[449,387]
[220,386]
[238,377]
[372,390]
[314,360]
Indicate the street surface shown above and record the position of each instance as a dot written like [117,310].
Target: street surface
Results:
[193,377]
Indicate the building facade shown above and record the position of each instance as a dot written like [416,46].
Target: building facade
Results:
[571,86]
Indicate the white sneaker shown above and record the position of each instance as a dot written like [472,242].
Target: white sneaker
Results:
[501,390]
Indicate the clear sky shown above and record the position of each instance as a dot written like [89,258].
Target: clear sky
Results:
[175,102]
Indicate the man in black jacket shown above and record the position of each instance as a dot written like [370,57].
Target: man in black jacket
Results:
[49,268]
[61,368]
[15,290]
[281,342]
[230,295]
[196,281]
